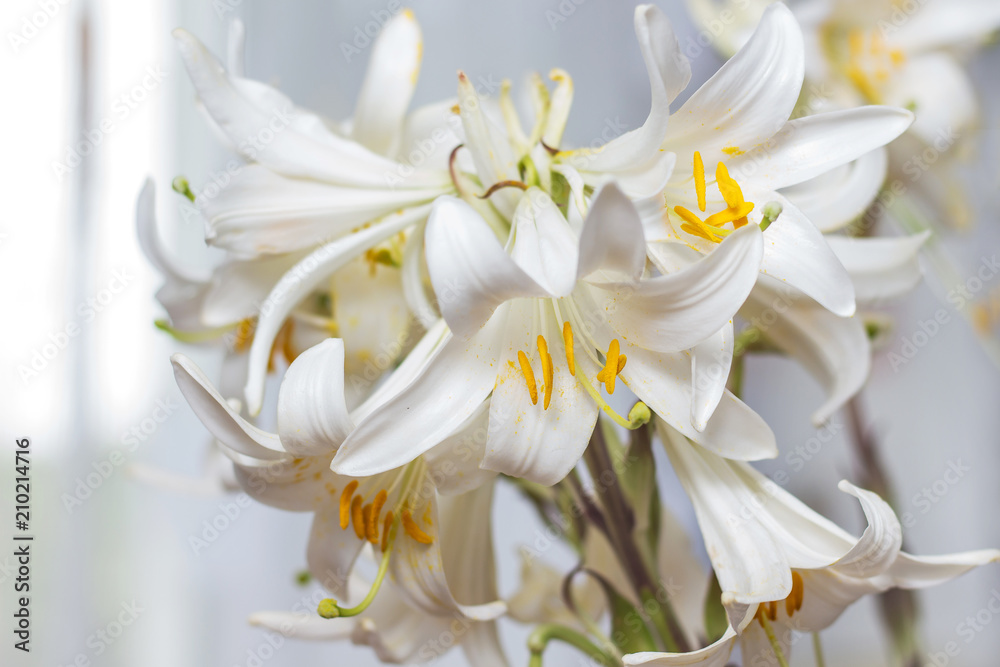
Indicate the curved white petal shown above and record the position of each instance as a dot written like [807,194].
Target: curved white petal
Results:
[796,253]
[219,418]
[669,73]
[944,24]
[456,378]
[261,212]
[808,147]
[389,84]
[237,288]
[880,268]
[312,412]
[284,138]
[923,571]
[835,350]
[491,152]
[841,195]
[527,440]
[332,550]
[612,237]
[714,655]
[542,243]
[430,134]
[755,532]
[293,485]
[302,279]
[304,625]
[749,99]
[711,361]
[471,273]
[461,552]
[453,465]
[878,547]
[679,310]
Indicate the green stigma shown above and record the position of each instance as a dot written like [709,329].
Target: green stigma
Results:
[771,212]
[181,186]
[328,608]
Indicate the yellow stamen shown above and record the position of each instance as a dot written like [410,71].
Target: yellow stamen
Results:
[699,180]
[345,504]
[413,530]
[244,335]
[358,518]
[728,187]
[386,527]
[367,524]
[621,362]
[568,342]
[529,378]
[694,225]
[548,373]
[377,504]
[609,373]
[729,215]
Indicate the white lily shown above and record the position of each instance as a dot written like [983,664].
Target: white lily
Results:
[290,469]
[536,325]
[783,567]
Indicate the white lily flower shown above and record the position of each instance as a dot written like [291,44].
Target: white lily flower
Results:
[783,567]
[290,469]
[536,325]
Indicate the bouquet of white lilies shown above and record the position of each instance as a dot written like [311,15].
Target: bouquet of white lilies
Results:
[450,297]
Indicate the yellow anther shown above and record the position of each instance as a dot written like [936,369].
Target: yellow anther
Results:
[358,518]
[733,215]
[568,343]
[366,519]
[612,366]
[621,362]
[728,187]
[386,527]
[699,180]
[529,377]
[372,526]
[794,600]
[345,504]
[244,335]
[772,610]
[548,372]
[696,226]
[413,530]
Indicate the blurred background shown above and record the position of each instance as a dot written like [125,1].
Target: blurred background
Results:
[97,100]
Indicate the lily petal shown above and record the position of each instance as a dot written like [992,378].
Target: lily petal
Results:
[312,412]
[456,379]
[880,268]
[841,195]
[389,84]
[749,99]
[612,237]
[302,279]
[544,246]
[453,465]
[714,655]
[711,362]
[471,273]
[679,310]
[796,253]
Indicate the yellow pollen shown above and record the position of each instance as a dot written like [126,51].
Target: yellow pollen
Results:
[794,600]
[529,379]
[548,373]
[614,363]
[377,504]
[244,335]
[568,342]
[368,524]
[386,527]
[699,180]
[413,530]
[345,504]
[358,517]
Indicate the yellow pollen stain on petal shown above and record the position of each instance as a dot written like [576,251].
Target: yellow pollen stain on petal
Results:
[699,181]
[732,151]
[413,530]
[548,372]
[345,504]
[568,343]
[612,366]
[386,527]
[358,517]
[529,376]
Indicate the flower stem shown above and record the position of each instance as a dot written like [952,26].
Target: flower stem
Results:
[775,646]
[329,608]
[543,634]
[818,650]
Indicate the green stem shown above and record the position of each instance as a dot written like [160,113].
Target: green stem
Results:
[621,522]
[818,650]
[775,646]
[543,634]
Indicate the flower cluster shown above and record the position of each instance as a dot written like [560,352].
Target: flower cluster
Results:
[450,295]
